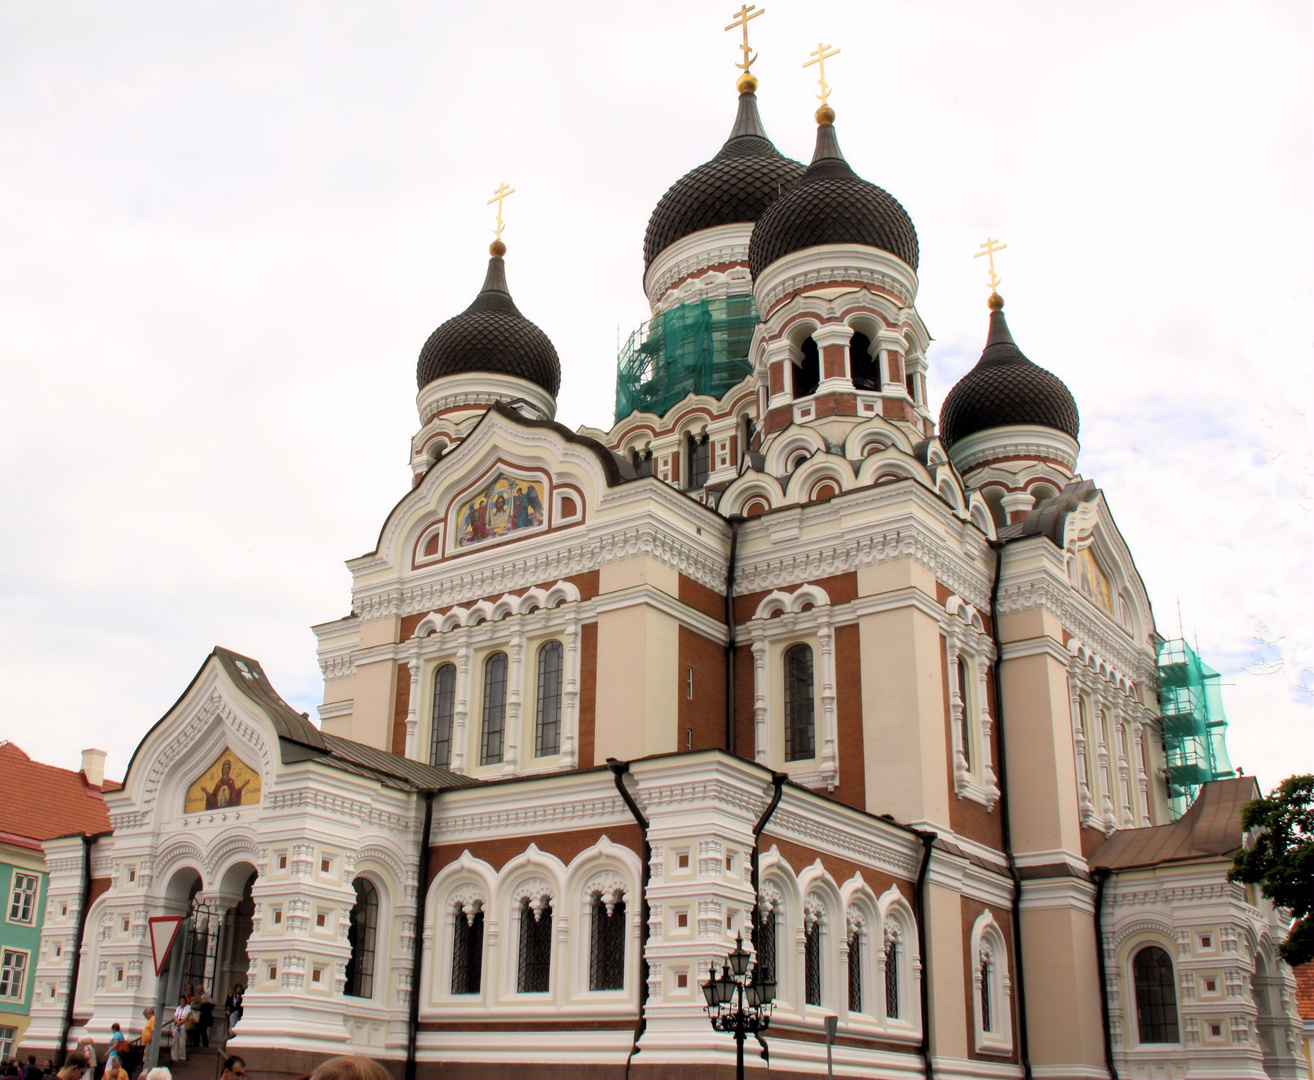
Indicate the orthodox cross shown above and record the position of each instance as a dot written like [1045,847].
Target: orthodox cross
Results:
[988,249]
[741,19]
[501,193]
[819,56]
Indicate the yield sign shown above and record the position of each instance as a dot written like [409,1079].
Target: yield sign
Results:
[164,928]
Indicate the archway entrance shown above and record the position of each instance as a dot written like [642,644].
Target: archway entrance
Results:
[234,961]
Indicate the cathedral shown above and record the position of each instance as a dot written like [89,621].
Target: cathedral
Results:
[782,658]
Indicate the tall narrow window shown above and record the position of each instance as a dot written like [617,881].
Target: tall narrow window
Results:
[700,459]
[865,368]
[494,709]
[13,973]
[534,970]
[892,978]
[547,722]
[910,384]
[987,1020]
[23,901]
[766,945]
[807,373]
[965,728]
[444,701]
[467,951]
[1156,997]
[607,944]
[800,727]
[642,462]
[812,961]
[855,970]
[362,929]
[746,438]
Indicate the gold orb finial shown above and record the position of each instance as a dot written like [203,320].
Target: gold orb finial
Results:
[996,302]
[497,249]
[825,115]
[747,83]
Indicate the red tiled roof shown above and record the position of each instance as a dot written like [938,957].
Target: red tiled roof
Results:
[1305,990]
[41,802]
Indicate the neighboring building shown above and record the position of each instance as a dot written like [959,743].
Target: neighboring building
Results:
[41,802]
[775,656]
[1305,1006]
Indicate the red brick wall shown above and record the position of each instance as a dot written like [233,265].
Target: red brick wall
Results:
[401,708]
[588,691]
[971,910]
[703,715]
[852,788]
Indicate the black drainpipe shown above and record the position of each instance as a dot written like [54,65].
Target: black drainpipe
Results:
[1024,1046]
[87,843]
[1101,876]
[778,783]
[928,842]
[735,522]
[417,943]
[618,771]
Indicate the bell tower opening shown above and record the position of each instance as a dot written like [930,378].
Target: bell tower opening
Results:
[864,368]
[807,373]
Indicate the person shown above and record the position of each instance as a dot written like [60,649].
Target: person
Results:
[159,1073]
[204,1008]
[233,1004]
[350,1068]
[33,1070]
[234,1068]
[178,1033]
[116,1042]
[114,1069]
[75,1066]
[87,1048]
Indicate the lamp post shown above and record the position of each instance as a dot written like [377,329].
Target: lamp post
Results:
[737,1002]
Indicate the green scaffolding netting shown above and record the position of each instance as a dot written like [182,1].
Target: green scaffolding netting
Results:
[1194,724]
[697,348]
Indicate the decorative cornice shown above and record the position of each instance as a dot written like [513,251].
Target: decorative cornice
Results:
[648,540]
[817,267]
[707,247]
[1015,441]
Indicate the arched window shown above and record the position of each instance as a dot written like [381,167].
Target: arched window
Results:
[745,437]
[444,700]
[534,969]
[965,728]
[910,384]
[1156,996]
[893,957]
[547,720]
[800,725]
[855,969]
[467,950]
[494,709]
[700,459]
[807,373]
[988,1017]
[607,944]
[812,957]
[865,368]
[362,930]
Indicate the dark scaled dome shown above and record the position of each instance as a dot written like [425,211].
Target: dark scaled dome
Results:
[831,204]
[736,185]
[1004,389]
[491,336]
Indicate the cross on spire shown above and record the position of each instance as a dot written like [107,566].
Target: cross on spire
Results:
[988,249]
[741,19]
[820,55]
[501,193]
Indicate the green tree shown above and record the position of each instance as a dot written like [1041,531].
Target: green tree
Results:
[1281,859]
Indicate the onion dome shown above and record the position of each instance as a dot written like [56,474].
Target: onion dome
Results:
[1005,389]
[831,204]
[491,337]
[736,185]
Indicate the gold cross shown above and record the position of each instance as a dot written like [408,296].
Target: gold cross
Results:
[820,56]
[501,193]
[741,18]
[988,249]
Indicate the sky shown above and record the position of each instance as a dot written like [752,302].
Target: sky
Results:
[227,228]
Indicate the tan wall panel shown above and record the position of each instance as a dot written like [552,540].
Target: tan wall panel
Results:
[1064,1025]
[944,964]
[371,721]
[379,632]
[1038,733]
[899,574]
[903,717]
[622,645]
[661,676]
[639,571]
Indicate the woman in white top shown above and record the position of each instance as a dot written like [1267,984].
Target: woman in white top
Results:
[178,1042]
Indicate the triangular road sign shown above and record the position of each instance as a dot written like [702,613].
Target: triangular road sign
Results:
[164,928]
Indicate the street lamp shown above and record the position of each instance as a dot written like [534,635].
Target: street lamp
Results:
[738,1003]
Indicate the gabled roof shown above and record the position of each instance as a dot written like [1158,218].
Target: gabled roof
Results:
[1211,828]
[299,740]
[42,801]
